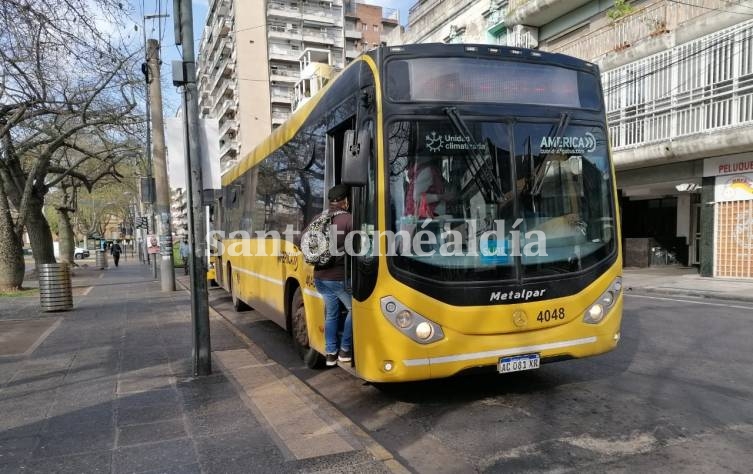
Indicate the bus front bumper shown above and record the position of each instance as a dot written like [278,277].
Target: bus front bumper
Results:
[458,352]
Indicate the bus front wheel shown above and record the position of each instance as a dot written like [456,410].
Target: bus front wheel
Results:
[299,328]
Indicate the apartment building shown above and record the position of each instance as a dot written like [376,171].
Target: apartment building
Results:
[366,26]
[249,63]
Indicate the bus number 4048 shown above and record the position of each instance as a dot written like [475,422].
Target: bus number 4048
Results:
[551,315]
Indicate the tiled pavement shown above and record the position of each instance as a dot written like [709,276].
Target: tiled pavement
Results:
[109,389]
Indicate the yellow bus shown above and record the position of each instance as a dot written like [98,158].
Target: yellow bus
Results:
[508,257]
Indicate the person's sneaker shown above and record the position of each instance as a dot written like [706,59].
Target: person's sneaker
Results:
[345,356]
[331,360]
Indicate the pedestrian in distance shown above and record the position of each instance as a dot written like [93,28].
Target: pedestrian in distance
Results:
[330,282]
[184,253]
[115,251]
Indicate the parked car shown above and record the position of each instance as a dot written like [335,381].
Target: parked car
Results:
[79,252]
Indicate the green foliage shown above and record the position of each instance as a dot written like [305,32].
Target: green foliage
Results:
[620,9]
[16,293]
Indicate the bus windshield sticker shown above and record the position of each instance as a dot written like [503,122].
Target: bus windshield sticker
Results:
[565,145]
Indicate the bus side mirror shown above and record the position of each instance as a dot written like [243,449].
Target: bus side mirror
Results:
[355,165]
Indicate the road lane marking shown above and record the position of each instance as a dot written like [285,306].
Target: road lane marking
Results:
[691,301]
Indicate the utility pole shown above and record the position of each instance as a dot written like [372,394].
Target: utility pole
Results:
[186,76]
[148,78]
[162,187]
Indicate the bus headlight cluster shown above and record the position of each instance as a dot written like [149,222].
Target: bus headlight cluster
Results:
[596,312]
[410,323]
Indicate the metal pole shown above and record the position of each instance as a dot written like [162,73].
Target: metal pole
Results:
[149,150]
[162,187]
[147,75]
[202,362]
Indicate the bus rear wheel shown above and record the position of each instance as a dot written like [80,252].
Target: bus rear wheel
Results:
[299,329]
[238,305]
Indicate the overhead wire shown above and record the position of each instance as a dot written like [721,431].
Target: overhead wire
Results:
[721,10]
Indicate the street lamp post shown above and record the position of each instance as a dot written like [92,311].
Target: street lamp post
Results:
[202,356]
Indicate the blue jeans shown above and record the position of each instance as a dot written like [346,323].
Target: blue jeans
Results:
[333,292]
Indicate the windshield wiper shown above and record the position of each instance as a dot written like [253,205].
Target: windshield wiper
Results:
[541,170]
[482,174]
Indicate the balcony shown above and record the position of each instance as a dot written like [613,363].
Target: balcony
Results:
[229,149]
[317,36]
[222,7]
[224,50]
[674,105]
[284,75]
[283,10]
[281,97]
[226,89]
[649,22]
[282,53]
[218,77]
[284,33]
[226,107]
[352,53]
[495,18]
[220,30]
[353,34]
[322,16]
[278,118]
[539,12]
[228,127]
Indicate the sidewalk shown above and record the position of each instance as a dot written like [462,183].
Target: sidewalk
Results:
[679,281]
[107,387]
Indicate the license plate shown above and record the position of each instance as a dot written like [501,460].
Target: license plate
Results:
[518,363]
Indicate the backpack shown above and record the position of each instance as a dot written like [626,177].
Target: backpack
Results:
[315,241]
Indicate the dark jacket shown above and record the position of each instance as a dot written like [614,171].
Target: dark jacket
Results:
[115,249]
[336,270]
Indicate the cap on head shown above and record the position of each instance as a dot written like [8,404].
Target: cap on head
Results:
[337,192]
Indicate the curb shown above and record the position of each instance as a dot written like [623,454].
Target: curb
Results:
[379,452]
[688,293]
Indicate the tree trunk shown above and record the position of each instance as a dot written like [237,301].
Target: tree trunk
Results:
[12,266]
[65,232]
[40,236]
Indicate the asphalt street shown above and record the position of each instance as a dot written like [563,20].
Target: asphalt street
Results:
[676,395]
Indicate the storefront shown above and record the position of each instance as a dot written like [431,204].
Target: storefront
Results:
[733,214]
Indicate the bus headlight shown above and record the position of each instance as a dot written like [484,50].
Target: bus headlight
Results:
[404,319]
[607,299]
[594,314]
[410,323]
[597,311]
[424,330]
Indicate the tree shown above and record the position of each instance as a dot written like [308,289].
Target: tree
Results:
[66,87]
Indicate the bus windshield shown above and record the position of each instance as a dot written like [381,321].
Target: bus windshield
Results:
[505,201]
